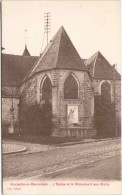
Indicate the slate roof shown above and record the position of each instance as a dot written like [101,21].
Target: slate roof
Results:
[100,68]
[15,68]
[6,93]
[2,48]
[61,54]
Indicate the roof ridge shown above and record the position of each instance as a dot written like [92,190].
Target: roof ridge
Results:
[43,54]
[106,59]
[95,62]
[93,55]
[65,36]
[62,28]
[33,68]
[59,53]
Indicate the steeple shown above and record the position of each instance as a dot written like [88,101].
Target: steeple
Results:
[2,48]
[26,52]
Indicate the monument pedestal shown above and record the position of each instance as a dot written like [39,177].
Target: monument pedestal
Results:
[11,129]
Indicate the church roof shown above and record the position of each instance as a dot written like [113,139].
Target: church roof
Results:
[26,52]
[6,93]
[60,53]
[15,68]
[2,48]
[100,68]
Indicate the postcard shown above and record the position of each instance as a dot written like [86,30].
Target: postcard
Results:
[61,97]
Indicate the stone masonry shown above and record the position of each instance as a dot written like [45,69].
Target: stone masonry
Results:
[85,101]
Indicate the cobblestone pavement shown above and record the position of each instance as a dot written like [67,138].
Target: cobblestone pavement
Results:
[30,166]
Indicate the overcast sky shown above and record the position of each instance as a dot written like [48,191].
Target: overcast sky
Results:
[91,25]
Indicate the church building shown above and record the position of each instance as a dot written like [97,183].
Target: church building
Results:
[69,82]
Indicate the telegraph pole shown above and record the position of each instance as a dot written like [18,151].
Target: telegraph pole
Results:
[47,23]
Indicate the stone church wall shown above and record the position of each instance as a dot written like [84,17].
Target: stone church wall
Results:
[31,93]
[85,102]
[27,95]
[118,97]
[97,90]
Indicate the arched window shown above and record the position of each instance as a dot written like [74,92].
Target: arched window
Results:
[106,91]
[71,88]
[46,89]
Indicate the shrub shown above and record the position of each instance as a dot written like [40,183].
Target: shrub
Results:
[5,127]
[37,119]
[104,117]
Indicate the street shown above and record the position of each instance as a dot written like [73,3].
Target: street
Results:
[109,169]
[95,160]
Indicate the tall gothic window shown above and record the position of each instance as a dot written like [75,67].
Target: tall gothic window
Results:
[47,89]
[106,91]
[70,88]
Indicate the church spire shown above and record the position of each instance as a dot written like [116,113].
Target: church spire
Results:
[26,52]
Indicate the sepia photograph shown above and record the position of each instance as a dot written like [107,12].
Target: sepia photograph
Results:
[61,97]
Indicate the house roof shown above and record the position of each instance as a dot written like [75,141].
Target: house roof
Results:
[15,68]
[59,53]
[100,68]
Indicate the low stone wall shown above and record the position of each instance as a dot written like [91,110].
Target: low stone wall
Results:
[74,132]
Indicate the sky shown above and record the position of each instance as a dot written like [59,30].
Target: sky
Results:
[91,25]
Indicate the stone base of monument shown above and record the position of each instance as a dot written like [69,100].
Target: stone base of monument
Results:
[74,132]
[11,129]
